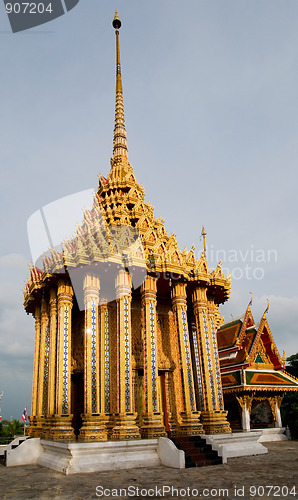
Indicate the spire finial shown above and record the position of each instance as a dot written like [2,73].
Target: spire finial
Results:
[203,233]
[116,21]
[267,309]
[251,299]
[120,142]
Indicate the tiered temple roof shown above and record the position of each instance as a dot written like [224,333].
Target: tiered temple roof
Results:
[249,358]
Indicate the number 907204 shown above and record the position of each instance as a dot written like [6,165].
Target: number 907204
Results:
[28,8]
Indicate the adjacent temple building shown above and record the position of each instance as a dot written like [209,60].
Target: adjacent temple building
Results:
[125,323]
[253,373]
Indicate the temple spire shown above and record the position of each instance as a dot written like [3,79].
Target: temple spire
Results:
[120,142]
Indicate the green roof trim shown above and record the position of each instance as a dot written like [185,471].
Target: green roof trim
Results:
[231,379]
[270,378]
[228,325]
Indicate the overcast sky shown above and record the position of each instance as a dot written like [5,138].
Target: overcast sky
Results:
[210,94]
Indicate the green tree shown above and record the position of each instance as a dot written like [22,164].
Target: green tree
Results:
[11,428]
[289,407]
[293,364]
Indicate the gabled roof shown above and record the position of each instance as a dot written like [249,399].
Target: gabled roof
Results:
[228,334]
[249,349]
[251,344]
[264,339]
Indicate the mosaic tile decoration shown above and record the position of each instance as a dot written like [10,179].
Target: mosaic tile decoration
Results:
[93,357]
[145,363]
[126,354]
[217,369]
[153,358]
[188,362]
[107,361]
[46,371]
[65,363]
[209,361]
[198,365]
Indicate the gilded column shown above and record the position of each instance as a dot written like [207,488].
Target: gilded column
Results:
[42,387]
[152,417]
[190,423]
[53,344]
[105,402]
[32,430]
[125,420]
[43,359]
[213,416]
[93,426]
[214,353]
[50,364]
[62,430]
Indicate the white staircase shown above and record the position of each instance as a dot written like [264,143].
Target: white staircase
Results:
[11,446]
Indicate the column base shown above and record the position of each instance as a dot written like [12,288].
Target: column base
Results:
[172,424]
[110,424]
[125,427]
[93,428]
[190,425]
[61,429]
[215,422]
[47,424]
[152,426]
[35,427]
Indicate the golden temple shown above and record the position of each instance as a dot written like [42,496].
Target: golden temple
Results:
[125,323]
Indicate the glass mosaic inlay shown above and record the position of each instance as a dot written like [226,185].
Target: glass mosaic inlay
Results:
[217,368]
[188,362]
[65,363]
[213,397]
[198,365]
[145,362]
[153,358]
[126,354]
[93,357]
[107,361]
[46,370]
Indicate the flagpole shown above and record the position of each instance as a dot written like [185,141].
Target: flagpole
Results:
[24,418]
[0,405]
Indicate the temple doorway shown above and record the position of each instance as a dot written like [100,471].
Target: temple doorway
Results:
[261,415]
[163,400]
[139,397]
[77,398]
[234,414]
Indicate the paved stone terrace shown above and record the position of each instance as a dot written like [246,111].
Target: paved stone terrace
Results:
[278,468]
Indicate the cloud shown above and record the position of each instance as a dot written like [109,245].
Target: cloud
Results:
[15,261]
[16,337]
